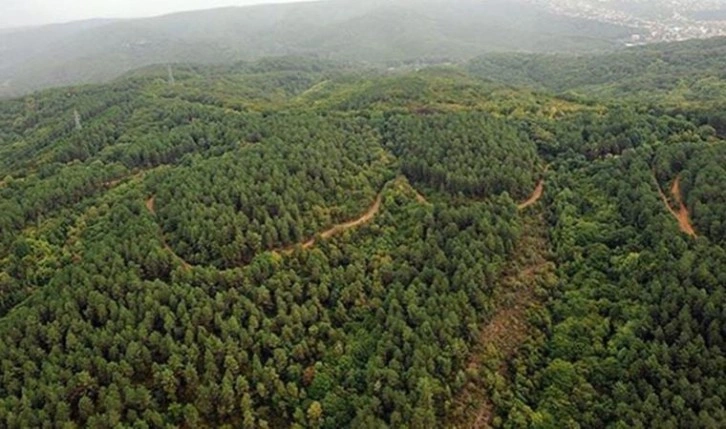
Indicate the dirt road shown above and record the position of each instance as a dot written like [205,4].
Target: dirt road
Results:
[333,231]
[337,229]
[536,195]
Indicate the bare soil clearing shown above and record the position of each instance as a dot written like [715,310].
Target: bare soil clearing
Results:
[682,215]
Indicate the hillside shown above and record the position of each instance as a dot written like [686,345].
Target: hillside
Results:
[299,243]
[691,70]
[377,31]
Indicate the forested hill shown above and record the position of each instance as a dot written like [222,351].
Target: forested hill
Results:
[384,32]
[297,243]
[692,70]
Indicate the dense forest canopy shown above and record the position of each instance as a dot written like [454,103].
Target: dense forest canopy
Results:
[688,71]
[301,243]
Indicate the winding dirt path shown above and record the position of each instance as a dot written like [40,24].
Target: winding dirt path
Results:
[363,219]
[536,195]
[366,217]
[135,176]
[682,215]
[337,229]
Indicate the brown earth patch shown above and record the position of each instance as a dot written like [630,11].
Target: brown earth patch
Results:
[501,337]
[682,215]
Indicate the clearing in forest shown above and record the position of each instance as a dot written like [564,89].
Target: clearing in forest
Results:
[683,216]
[501,337]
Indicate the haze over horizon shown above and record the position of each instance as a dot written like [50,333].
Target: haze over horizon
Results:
[21,13]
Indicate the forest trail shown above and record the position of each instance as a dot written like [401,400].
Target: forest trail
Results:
[337,229]
[501,337]
[536,195]
[682,215]
[113,183]
[135,176]
[366,217]
[363,219]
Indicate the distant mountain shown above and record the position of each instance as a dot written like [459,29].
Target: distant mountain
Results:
[378,31]
[691,69]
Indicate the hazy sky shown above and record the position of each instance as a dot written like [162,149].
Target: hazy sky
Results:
[19,13]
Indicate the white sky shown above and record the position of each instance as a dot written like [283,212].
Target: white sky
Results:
[20,13]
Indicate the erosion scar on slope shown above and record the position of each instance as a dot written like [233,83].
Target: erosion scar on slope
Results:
[682,215]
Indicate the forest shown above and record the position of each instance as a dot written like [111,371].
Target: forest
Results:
[298,243]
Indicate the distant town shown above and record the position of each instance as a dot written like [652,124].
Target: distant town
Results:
[656,20]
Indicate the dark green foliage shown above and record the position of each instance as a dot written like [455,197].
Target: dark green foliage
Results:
[701,170]
[139,286]
[693,69]
[473,154]
[636,336]
[390,309]
[306,174]
[156,266]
